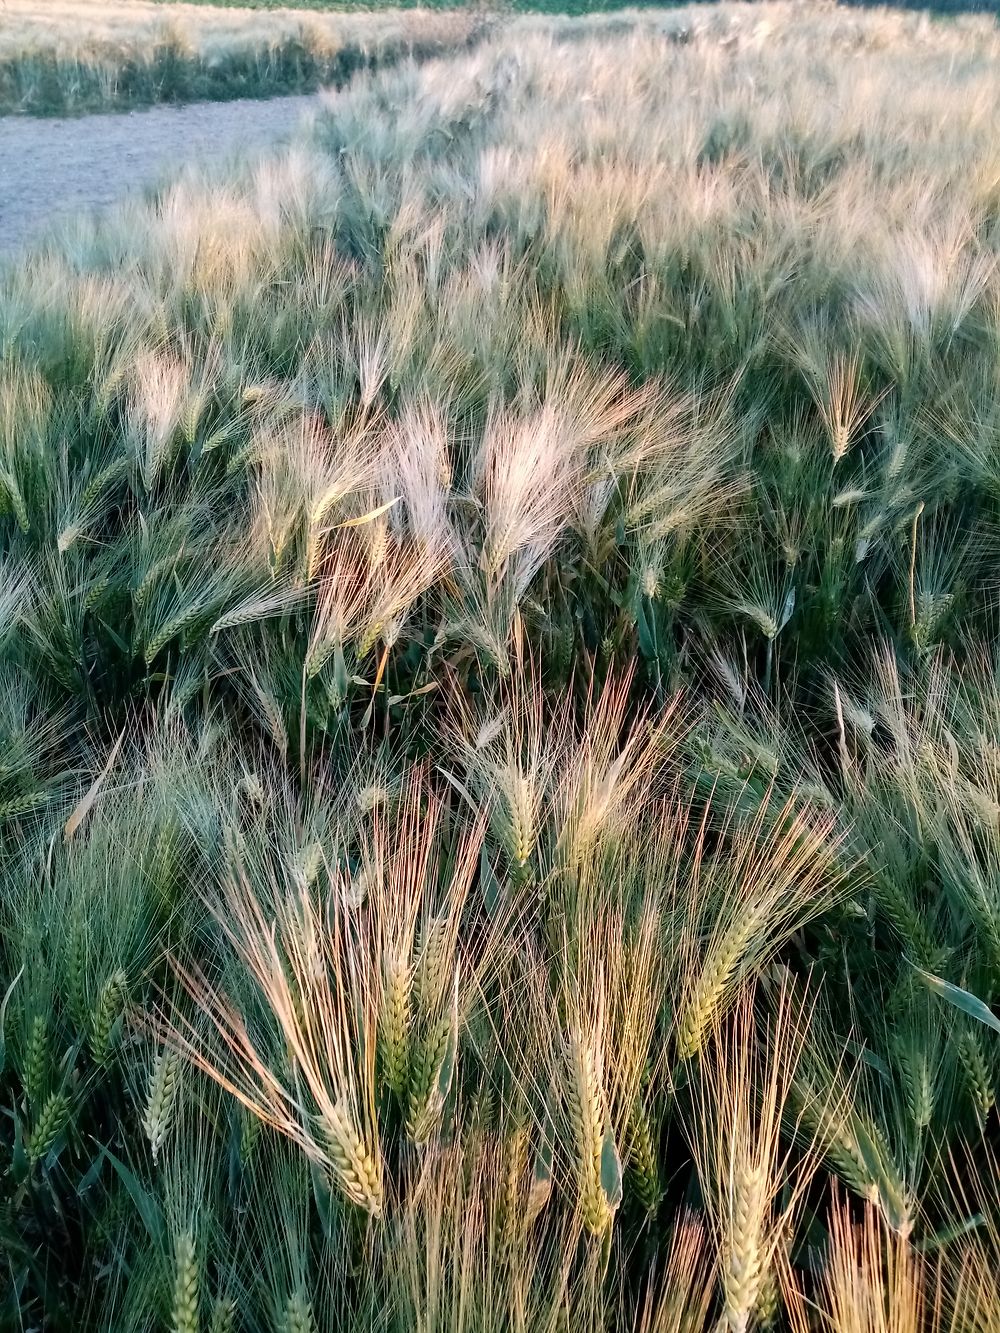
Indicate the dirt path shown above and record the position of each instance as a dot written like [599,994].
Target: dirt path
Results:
[53,168]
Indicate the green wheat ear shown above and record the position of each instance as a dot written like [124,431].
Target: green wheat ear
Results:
[184,1309]
[767,1310]
[976,1077]
[108,1010]
[52,1119]
[161,1100]
[36,1071]
[223,1318]
[76,967]
[431,1079]
[396,1025]
[298,1314]
[642,1159]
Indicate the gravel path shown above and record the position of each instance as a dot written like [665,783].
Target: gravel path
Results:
[53,168]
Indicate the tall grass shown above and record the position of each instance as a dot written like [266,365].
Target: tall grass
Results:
[62,57]
[499,788]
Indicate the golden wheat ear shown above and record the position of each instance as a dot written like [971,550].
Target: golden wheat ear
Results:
[680,1299]
[873,1278]
[753,1179]
[738,903]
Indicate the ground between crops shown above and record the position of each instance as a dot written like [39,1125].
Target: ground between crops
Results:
[53,169]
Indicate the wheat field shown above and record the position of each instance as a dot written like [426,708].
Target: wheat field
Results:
[62,57]
[499,699]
